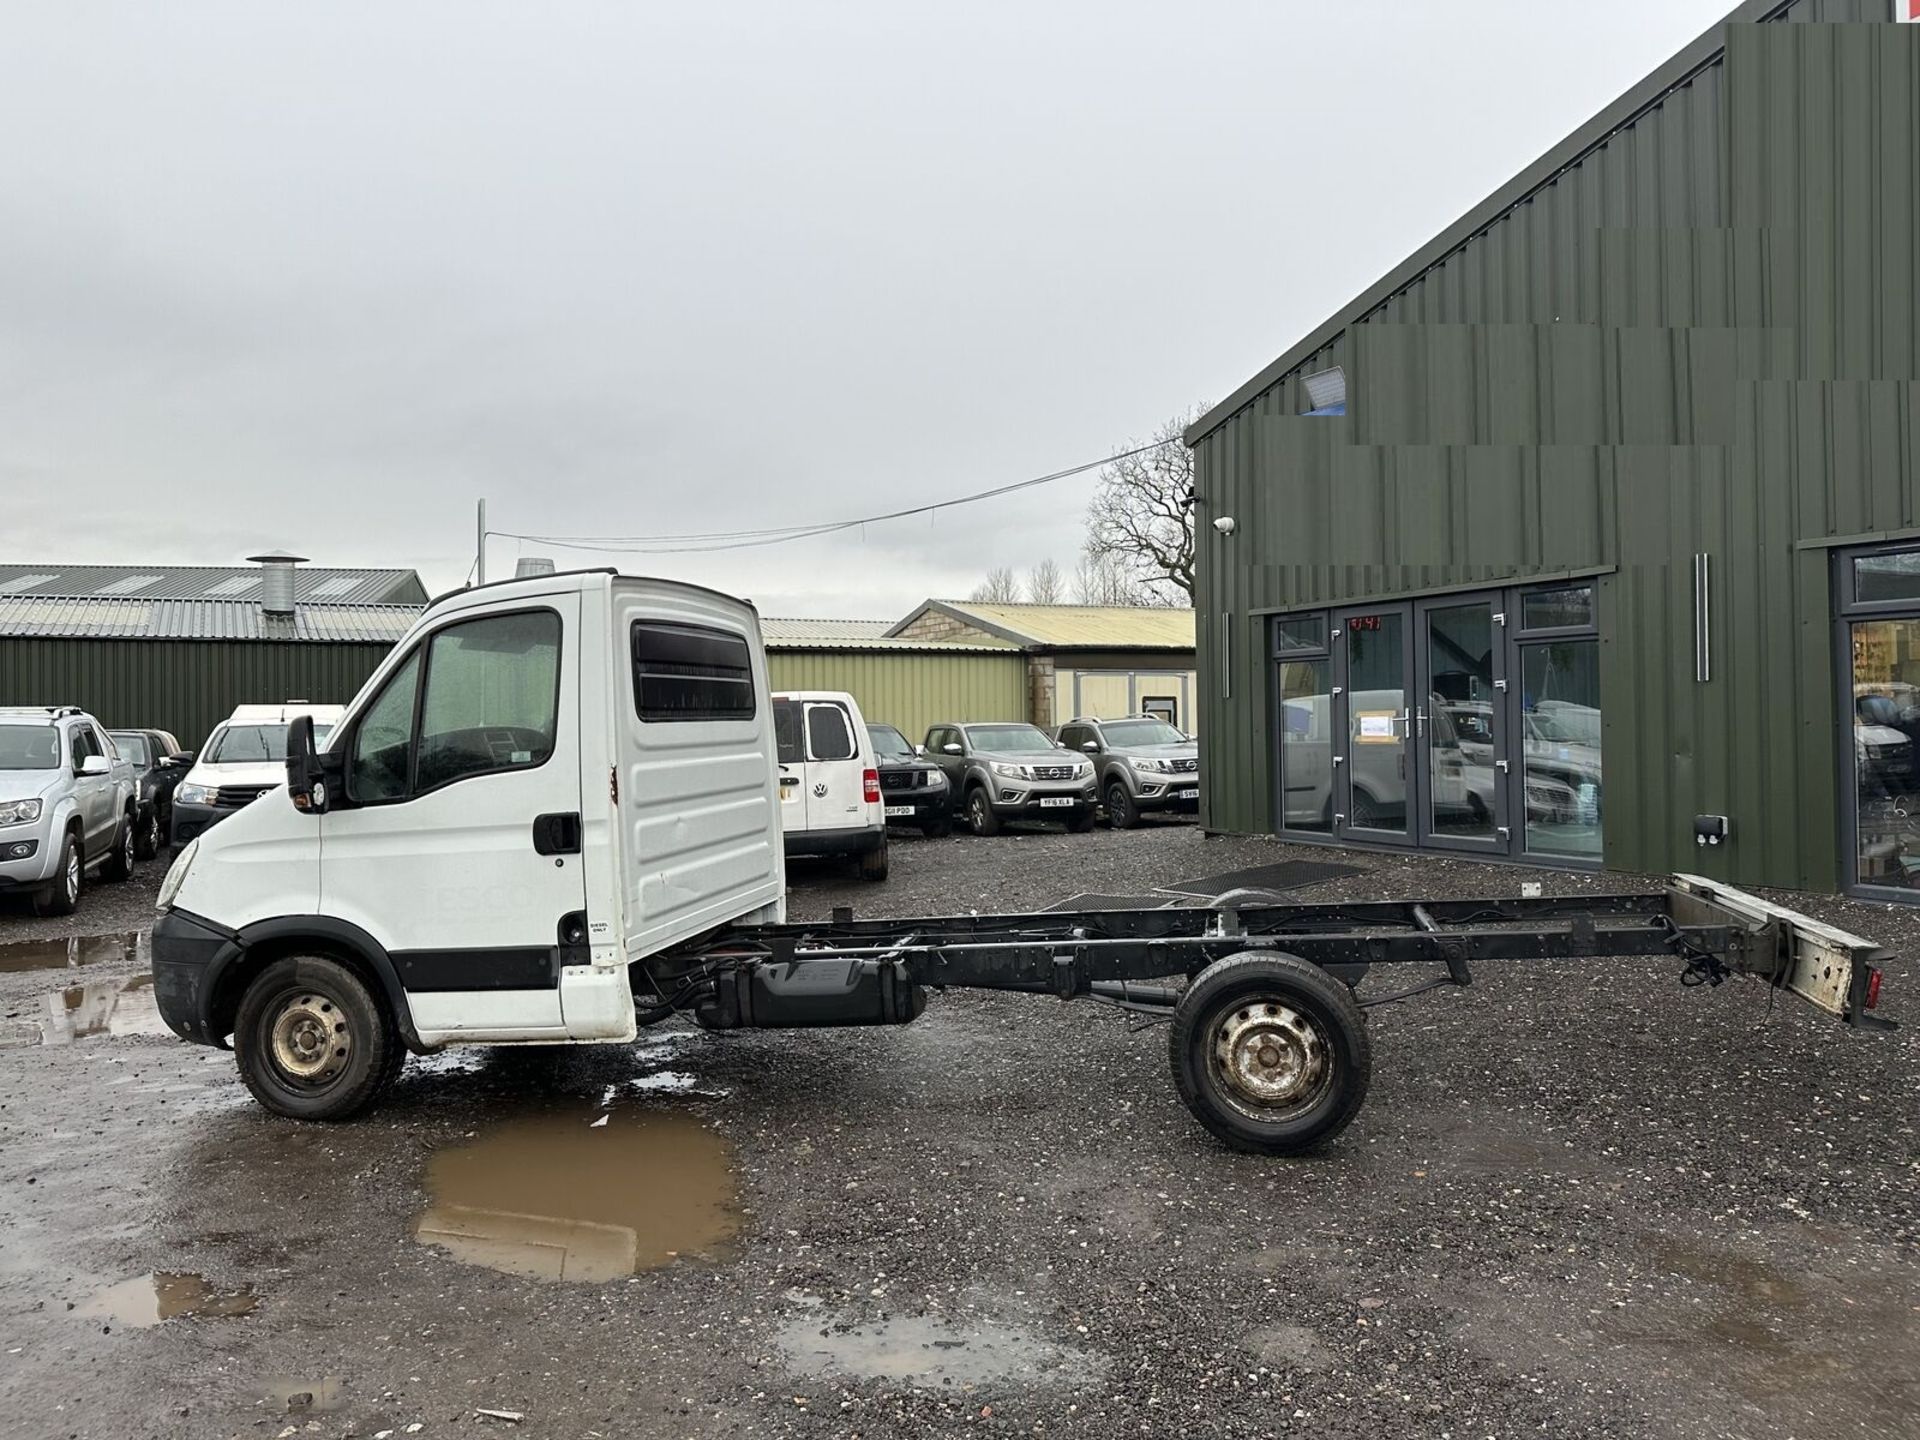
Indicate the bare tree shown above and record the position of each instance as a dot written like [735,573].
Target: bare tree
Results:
[1141,520]
[1045,584]
[1103,580]
[999,588]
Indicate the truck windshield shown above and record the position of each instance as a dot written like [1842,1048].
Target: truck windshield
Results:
[1008,739]
[1127,733]
[244,744]
[889,743]
[29,747]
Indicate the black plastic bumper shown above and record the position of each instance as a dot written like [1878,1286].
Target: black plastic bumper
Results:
[926,805]
[188,956]
[191,820]
[835,842]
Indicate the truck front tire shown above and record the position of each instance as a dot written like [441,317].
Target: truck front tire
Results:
[1270,1053]
[313,1042]
[980,817]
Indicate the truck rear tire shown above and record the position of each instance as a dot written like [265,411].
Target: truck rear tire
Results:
[873,863]
[1270,1053]
[313,1042]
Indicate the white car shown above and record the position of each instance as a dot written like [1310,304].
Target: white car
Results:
[829,780]
[245,757]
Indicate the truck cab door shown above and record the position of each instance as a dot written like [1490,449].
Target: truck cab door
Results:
[457,843]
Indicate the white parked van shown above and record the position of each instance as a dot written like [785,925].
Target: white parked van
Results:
[244,757]
[829,780]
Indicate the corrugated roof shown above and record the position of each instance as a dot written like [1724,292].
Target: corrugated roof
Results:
[191,582]
[128,617]
[772,628]
[864,635]
[1083,627]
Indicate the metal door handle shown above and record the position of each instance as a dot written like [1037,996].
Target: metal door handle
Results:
[1503,766]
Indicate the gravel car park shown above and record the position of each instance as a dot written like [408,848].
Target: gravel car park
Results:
[1581,1201]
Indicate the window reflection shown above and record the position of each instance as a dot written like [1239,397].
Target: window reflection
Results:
[1560,713]
[1886,731]
[1306,752]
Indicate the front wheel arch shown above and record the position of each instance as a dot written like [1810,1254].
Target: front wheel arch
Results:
[260,944]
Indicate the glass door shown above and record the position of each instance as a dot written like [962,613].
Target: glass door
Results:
[1460,724]
[1374,767]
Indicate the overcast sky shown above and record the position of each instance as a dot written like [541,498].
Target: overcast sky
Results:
[318,277]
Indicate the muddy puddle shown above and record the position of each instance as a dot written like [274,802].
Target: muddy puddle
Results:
[163,1295]
[583,1196]
[104,1007]
[72,952]
[927,1351]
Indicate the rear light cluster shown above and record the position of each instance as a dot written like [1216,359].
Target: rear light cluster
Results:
[871,779]
[1873,988]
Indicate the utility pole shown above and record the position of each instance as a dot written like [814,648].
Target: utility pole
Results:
[480,545]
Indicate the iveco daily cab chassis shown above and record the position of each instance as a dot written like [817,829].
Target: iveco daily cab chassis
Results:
[553,815]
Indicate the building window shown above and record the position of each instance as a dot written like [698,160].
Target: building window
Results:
[1880,696]
[1558,655]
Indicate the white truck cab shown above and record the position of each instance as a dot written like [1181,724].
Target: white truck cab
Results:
[546,779]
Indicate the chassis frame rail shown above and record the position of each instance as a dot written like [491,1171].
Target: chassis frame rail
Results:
[1074,953]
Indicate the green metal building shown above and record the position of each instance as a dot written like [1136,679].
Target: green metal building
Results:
[175,648]
[1622,467]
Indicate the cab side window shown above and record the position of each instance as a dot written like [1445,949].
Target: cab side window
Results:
[482,696]
[492,700]
[381,766]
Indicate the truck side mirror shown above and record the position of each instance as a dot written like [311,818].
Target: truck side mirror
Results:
[306,772]
[95,765]
[919,751]
[951,748]
[1092,747]
[182,758]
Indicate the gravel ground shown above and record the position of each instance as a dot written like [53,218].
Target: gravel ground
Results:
[1581,1201]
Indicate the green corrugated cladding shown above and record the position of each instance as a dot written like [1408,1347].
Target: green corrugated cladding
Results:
[1703,336]
[910,691]
[183,686]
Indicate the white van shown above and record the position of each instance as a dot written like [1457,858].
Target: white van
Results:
[244,757]
[829,780]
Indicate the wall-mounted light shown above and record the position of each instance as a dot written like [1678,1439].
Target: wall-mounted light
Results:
[1226,524]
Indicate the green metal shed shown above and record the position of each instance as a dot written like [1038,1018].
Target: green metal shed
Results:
[907,684]
[1617,467]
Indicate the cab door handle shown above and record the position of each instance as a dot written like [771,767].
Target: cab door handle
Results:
[557,834]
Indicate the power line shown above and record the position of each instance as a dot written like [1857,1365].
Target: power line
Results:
[702,542]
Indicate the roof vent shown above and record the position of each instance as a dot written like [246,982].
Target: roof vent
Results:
[276,585]
[532,565]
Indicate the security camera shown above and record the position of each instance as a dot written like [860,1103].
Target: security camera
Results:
[1226,524]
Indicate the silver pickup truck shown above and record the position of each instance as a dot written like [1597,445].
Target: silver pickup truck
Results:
[67,805]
